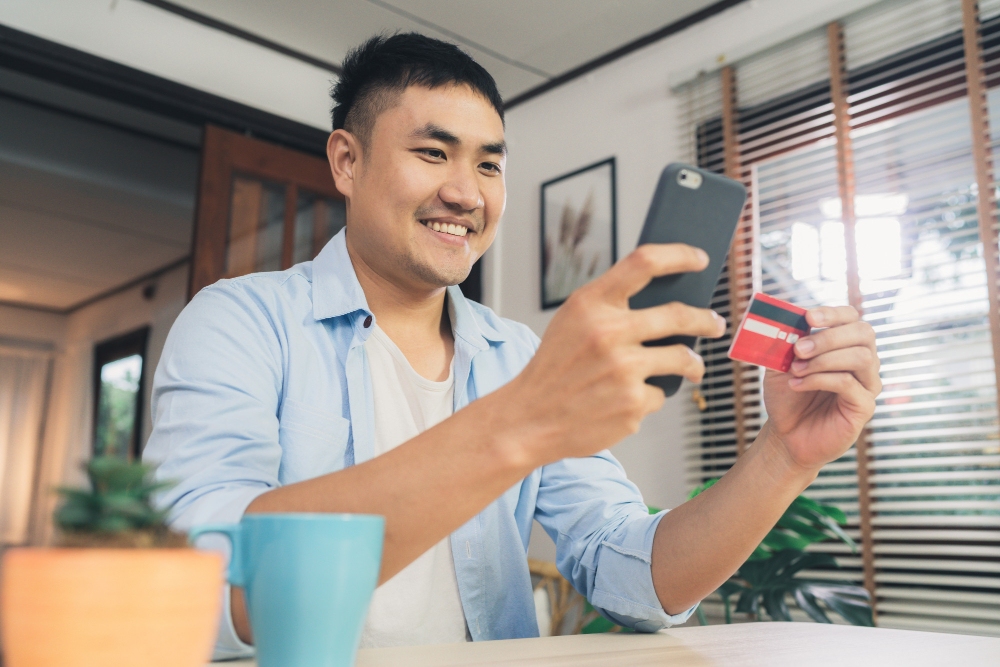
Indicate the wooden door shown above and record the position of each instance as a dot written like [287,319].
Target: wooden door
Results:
[261,207]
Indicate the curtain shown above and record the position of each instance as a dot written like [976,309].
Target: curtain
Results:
[24,379]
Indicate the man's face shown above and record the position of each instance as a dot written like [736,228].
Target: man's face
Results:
[428,190]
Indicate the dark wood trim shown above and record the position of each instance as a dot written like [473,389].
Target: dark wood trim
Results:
[91,74]
[731,152]
[983,159]
[622,51]
[246,35]
[845,181]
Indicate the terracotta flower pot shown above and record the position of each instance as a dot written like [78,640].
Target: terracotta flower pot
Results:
[109,607]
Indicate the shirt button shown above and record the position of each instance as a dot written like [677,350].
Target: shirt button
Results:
[368,321]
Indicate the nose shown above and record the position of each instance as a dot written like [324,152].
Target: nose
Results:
[462,191]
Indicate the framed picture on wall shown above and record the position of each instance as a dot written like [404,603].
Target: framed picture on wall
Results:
[578,230]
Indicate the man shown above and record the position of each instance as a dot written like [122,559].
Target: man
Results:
[364,382]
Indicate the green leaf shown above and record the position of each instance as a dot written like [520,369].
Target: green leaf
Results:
[807,603]
[777,540]
[809,561]
[113,524]
[834,513]
[748,602]
[814,532]
[72,517]
[775,605]
[835,528]
[851,602]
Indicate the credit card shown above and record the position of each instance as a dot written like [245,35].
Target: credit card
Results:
[768,333]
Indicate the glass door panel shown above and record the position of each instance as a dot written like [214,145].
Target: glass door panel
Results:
[256,227]
[317,220]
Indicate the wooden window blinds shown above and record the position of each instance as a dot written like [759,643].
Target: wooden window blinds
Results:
[869,149]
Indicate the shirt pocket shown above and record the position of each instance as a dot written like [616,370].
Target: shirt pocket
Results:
[313,441]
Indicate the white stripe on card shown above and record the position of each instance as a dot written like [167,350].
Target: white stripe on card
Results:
[759,327]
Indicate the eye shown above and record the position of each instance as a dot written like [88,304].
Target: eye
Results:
[491,167]
[435,153]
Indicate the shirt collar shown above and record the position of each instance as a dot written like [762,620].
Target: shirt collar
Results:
[336,292]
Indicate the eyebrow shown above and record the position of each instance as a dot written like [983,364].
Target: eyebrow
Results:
[432,131]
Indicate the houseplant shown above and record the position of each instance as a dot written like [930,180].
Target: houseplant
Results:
[770,573]
[119,589]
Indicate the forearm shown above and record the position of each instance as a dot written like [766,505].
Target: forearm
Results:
[425,488]
[700,544]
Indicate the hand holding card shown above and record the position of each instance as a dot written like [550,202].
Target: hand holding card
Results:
[768,333]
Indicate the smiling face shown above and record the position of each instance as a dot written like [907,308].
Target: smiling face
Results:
[426,193]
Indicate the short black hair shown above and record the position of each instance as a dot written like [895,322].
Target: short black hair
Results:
[381,68]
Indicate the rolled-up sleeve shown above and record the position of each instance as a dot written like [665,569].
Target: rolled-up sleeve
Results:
[604,539]
[215,426]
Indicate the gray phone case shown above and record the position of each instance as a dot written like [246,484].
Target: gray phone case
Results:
[705,217]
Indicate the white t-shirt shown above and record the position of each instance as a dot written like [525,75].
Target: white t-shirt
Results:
[421,604]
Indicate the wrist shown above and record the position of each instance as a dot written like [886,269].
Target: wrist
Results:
[507,434]
[778,463]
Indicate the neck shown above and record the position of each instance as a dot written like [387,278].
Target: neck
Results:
[414,319]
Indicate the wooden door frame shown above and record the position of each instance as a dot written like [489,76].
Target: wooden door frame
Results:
[225,153]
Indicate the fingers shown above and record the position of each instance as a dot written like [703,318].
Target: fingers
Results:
[671,360]
[847,346]
[849,390]
[635,270]
[837,337]
[832,316]
[675,319]
[858,360]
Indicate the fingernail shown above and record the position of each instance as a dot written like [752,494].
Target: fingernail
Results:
[799,365]
[805,346]
[795,382]
[702,255]
[818,317]
[694,354]
[720,320]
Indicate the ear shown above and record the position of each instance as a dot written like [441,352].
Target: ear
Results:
[343,153]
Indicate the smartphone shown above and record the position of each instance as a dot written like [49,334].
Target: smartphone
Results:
[699,208]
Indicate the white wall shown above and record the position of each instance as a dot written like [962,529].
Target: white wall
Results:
[69,423]
[626,110]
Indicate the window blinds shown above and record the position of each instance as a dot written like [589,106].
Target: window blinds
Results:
[927,507]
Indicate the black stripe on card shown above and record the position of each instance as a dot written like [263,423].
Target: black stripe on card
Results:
[780,315]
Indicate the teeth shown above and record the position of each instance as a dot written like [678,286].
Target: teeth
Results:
[454,230]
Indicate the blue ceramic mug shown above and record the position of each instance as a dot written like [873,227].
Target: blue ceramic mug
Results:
[308,580]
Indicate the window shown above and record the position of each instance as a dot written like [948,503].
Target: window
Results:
[119,372]
[923,495]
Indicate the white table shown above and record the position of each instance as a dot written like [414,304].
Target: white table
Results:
[742,645]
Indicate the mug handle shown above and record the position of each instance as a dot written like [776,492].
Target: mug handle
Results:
[235,574]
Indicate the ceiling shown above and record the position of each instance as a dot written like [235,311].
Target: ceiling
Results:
[523,43]
[86,208]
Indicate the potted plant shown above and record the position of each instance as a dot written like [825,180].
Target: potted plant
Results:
[770,574]
[119,589]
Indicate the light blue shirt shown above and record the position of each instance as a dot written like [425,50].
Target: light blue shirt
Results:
[264,381]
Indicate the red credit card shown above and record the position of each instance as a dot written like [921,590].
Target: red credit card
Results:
[768,333]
